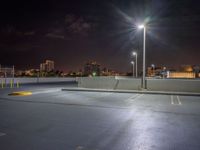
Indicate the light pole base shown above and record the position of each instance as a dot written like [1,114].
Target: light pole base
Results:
[143,89]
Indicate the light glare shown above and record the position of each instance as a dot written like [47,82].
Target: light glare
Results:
[134,53]
[141,26]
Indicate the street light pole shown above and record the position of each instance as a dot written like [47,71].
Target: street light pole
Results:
[133,63]
[136,70]
[144,57]
[144,40]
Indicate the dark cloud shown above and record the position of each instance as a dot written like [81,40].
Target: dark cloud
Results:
[52,35]
[13,31]
[78,25]
[29,33]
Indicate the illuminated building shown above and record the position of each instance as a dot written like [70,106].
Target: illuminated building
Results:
[196,69]
[108,72]
[180,75]
[186,68]
[92,69]
[186,71]
[42,67]
[47,66]
[156,71]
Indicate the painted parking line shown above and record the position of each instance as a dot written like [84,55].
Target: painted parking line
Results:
[140,95]
[176,100]
[101,95]
[179,101]
[134,97]
[172,100]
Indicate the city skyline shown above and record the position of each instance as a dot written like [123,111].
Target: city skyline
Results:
[71,33]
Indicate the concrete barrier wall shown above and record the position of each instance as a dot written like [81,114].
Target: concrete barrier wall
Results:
[37,80]
[124,83]
[97,82]
[128,83]
[109,83]
[177,85]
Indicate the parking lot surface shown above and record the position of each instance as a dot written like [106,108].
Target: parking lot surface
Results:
[51,119]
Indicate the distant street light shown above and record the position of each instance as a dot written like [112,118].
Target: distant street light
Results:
[144,36]
[135,54]
[133,63]
[153,66]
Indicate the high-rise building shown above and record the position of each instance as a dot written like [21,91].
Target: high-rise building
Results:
[186,68]
[47,66]
[92,69]
[42,67]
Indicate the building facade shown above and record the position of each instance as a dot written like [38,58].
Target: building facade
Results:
[92,69]
[47,66]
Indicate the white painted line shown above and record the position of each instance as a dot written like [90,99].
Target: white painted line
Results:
[133,98]
[46,91]
[140,95]
[179,101]
[2,134]
[101,95]
[172,100]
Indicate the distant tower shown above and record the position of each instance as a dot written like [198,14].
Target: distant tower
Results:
[47,66]
[42,67]
[92,69]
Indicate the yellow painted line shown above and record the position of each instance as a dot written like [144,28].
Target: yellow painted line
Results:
[21,93]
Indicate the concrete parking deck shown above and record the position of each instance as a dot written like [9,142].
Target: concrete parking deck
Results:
[51,119]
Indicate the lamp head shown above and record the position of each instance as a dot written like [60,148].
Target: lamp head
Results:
[141,26]
[134,53]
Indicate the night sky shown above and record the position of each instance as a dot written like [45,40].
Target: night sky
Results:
[74,32]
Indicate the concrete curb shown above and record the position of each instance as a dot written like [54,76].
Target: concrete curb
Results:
[132,91]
